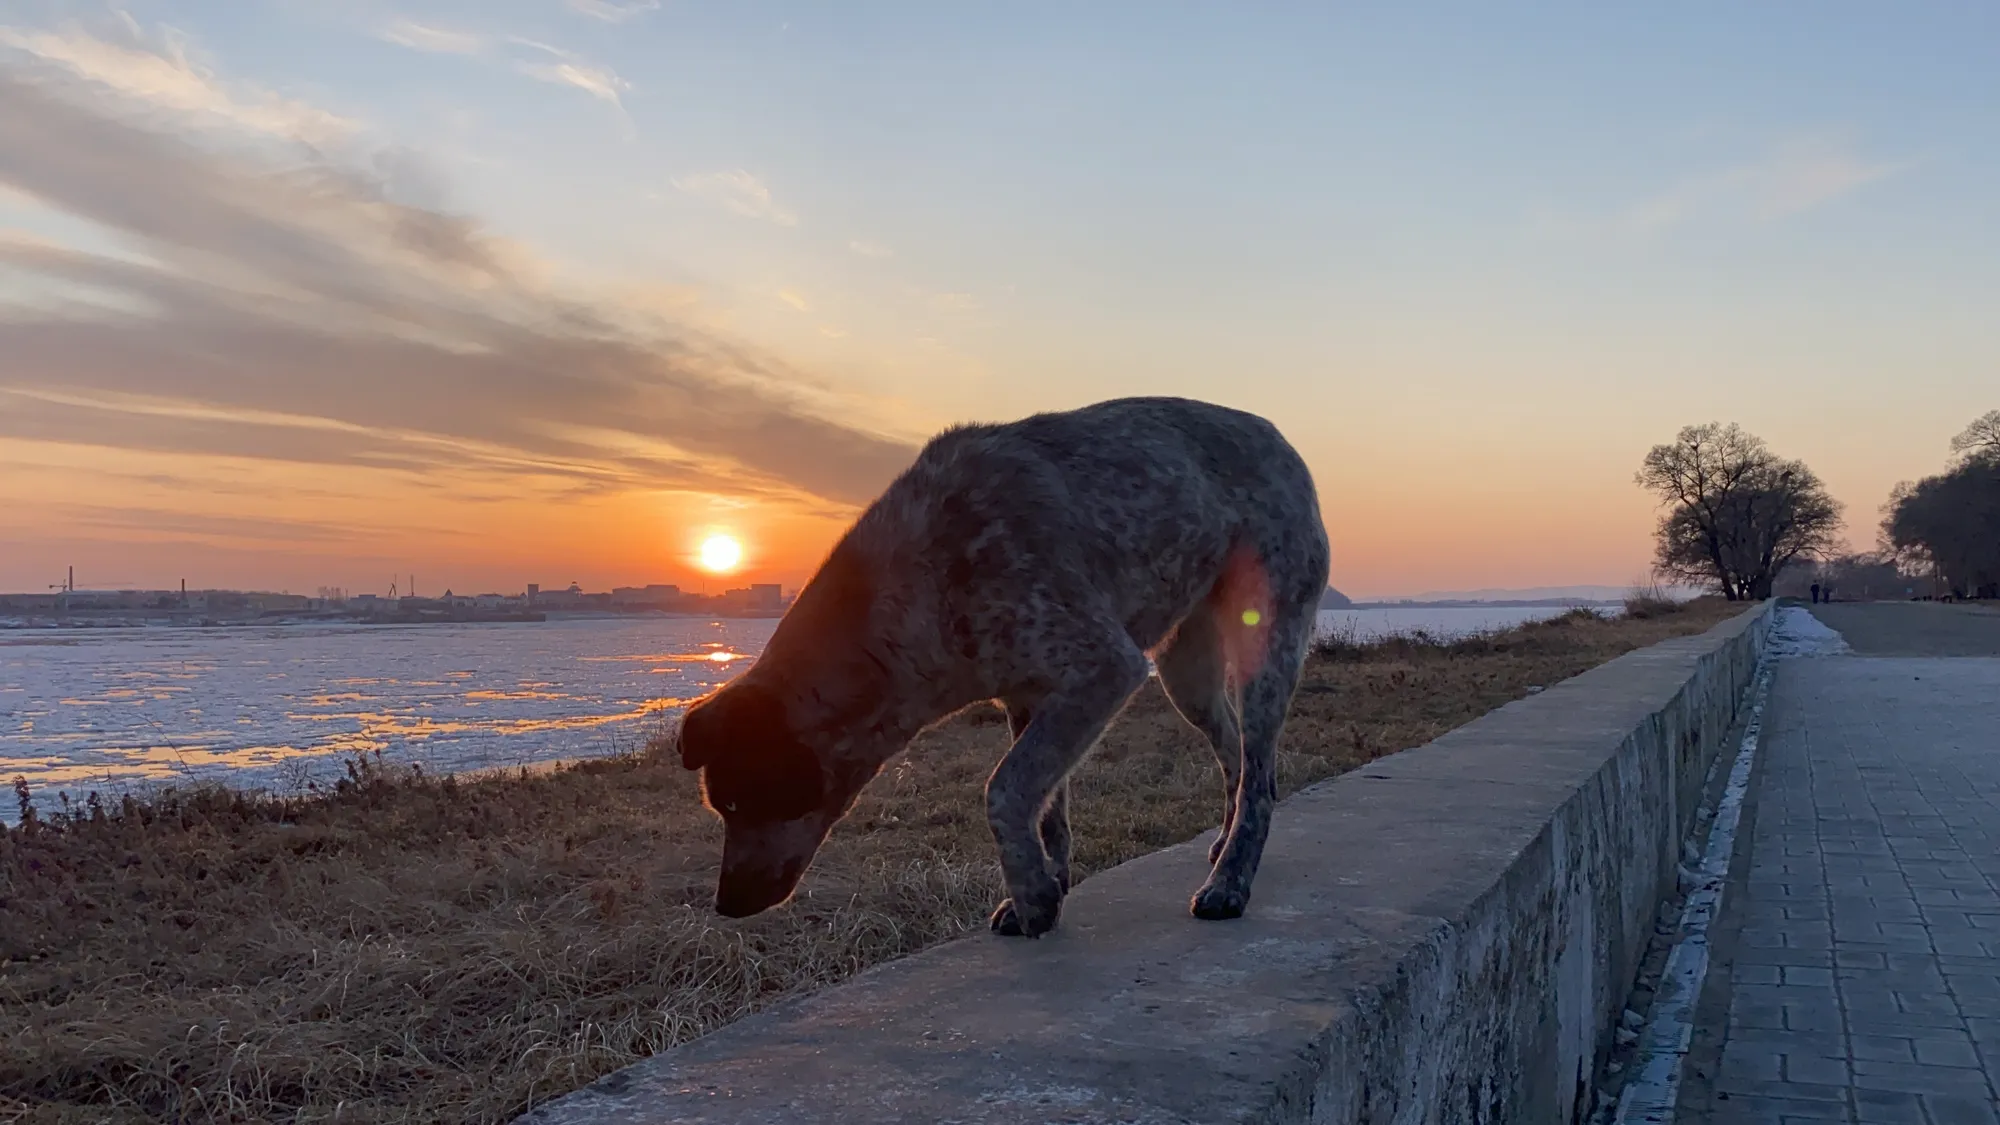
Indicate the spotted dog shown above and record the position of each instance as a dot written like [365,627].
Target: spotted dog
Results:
[1036,564]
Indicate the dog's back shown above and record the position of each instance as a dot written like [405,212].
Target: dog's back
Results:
[1129,508]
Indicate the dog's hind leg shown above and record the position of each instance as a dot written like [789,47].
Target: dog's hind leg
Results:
[1266,697]
[1055,819]
[1194,671]
[1064,725]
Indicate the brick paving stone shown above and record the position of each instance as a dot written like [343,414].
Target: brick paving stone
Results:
[1864,976]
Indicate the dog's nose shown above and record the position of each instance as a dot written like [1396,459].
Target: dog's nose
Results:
[737,905]
[740,898]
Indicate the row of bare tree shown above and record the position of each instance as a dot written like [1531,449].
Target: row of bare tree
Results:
[1948,525]
[1737,517]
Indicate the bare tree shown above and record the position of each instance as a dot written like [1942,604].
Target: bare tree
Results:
[1981,440]
[1737,514]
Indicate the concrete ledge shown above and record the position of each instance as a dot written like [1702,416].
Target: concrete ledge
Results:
[1445,936]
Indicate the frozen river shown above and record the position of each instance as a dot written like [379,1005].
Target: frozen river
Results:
[274,707]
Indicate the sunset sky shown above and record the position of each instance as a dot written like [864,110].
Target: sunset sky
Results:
[296,294]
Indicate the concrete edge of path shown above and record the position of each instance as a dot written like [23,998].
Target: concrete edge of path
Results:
[1445,935]
[1664,1062]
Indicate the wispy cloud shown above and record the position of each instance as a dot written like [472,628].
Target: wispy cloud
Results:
[435,40]
[740,192]
[954,302]
[611,12]
[1793,176]
[160,72]
[313,315]
[1804,173]
[793,299]
[553,65]
[869,249]
[569,69]
[596,81]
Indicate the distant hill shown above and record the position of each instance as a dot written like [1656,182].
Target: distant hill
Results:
[1496,603]
[1334,599]
[1532,595]
[1514,594]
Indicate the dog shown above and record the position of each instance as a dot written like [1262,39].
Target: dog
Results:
[1049,565]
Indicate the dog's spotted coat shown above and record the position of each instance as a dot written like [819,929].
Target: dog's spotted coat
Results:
[1037,563]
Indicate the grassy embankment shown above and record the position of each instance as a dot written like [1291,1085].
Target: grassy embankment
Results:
[410,949]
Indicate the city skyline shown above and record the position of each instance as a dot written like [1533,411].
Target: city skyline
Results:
[295,296]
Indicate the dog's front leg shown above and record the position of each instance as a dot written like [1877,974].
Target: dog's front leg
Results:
[1055,818]
[1063,728]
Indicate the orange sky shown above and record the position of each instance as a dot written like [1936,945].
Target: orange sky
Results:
[324,301]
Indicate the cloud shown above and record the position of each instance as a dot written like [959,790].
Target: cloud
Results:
[1795,176]
[870,249]
[571,70]
[598,82]
[434,40]
[954,302]
[566,69]
[793,299]
[740,192]
[160,73]
[313,314]
[611,12]
[1804,173]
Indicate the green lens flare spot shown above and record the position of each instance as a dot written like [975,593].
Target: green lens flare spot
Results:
[1251,617]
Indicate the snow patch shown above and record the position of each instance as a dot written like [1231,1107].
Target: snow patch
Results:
[1796,632]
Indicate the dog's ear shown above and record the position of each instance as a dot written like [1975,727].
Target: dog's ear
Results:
[737,713]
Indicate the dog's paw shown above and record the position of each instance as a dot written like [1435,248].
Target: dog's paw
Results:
[1213,903]
[1012,921]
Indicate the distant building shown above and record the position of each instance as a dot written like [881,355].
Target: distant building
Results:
[758,599]
[654,596]
[571,598]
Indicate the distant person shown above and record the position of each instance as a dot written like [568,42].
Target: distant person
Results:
[1815,593]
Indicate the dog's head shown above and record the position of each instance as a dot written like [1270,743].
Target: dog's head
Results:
[774,794]
[780,778]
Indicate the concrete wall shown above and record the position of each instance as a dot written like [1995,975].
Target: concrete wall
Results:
[1444,936]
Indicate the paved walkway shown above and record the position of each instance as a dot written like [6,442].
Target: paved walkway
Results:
[1858,973]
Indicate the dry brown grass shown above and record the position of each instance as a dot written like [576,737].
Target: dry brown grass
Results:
[1651,601]
[409,949]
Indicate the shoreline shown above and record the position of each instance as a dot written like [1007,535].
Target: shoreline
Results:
[130,622]
[118,621]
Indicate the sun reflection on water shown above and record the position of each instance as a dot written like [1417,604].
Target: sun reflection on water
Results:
[277,707]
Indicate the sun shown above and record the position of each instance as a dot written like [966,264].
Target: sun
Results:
[720,554]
